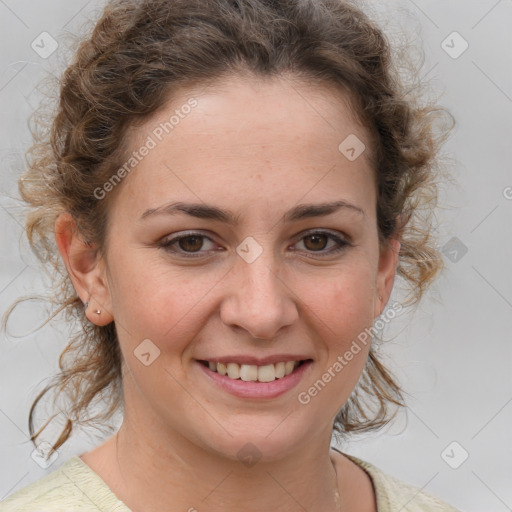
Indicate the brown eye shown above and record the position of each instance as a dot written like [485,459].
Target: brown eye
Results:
[318,242]
[191,243]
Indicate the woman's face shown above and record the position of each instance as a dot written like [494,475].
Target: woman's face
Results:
[259,280]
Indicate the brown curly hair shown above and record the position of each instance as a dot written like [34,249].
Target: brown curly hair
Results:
[139,53]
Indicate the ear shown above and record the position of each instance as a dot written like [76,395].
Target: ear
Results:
[85,268]
[388,261]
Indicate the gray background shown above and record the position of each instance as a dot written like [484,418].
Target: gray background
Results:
[453,354]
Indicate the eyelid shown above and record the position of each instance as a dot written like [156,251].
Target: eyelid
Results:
[324,231]
[173,239]
[341,240]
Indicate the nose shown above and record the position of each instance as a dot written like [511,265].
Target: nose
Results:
[260,302]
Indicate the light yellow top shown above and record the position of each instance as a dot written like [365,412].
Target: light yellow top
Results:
[75,487]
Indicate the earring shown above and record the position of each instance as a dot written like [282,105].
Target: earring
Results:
[98,311]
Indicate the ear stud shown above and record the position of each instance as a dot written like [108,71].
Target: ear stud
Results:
[98,311]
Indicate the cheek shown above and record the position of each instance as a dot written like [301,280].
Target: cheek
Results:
[342,313]
[157,301]
[342,298]
[341,306]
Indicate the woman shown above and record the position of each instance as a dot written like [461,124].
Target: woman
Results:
[228,190]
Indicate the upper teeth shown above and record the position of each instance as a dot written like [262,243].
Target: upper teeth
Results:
[250,372]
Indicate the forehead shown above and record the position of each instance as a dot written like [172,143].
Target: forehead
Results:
[242,129]
[284,104]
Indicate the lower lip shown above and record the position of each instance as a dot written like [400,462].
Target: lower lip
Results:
[253,389]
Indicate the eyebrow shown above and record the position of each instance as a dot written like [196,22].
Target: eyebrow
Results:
[205,211]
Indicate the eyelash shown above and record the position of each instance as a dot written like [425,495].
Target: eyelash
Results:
[167,244]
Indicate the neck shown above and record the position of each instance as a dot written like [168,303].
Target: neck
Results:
[155,470]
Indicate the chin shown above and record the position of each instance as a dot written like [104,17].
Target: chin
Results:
[263,440]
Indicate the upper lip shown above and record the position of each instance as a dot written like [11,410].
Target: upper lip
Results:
[257,361]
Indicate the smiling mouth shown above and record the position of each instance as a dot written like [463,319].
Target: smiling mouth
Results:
[253,373]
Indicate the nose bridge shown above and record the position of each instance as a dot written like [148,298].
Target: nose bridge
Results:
[260,302]
[261,281]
